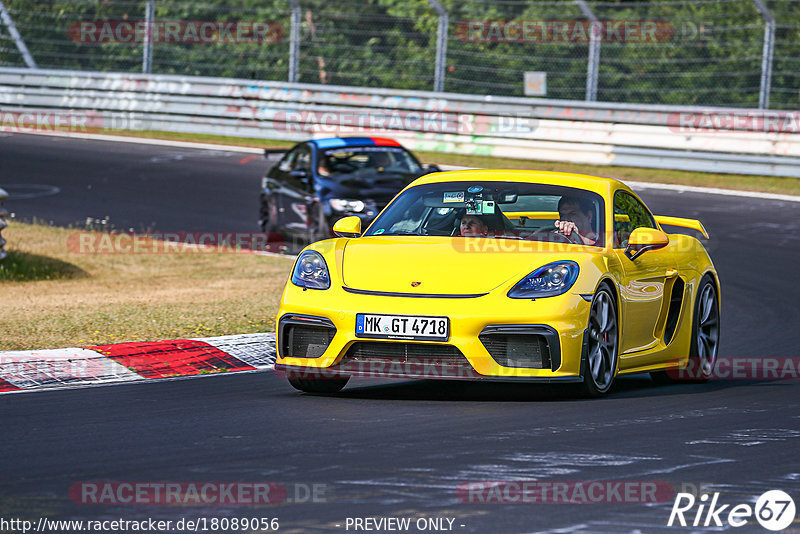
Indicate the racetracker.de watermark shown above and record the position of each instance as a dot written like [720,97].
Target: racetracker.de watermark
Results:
[542,240]
[565,492]
[391,368]
[726,122]
[348,122]
[565,31]
[196,493]
[41,120]
[175,31]
[742,368]
[23,369]
[173,242]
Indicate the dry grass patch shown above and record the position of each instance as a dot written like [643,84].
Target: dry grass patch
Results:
[85,299]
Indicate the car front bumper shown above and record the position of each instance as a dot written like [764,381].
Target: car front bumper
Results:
[559,323]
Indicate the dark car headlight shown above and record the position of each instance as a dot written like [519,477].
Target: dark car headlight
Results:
[546,281]
[343,205]
[311,271]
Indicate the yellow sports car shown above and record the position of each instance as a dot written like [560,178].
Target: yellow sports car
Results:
[502,275]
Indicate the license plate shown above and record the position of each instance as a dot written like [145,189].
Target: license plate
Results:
[402,327]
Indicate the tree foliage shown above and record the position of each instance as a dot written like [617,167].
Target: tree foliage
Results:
[711,57]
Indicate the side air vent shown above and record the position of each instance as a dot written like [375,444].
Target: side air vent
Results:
[675,301]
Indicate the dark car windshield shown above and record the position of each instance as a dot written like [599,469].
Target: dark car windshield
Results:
[370,161]
[511,210]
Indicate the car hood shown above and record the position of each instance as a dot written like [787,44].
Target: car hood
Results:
[445,265]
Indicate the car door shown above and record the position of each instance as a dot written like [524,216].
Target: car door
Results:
[642,283]
[275,183]
[292,192]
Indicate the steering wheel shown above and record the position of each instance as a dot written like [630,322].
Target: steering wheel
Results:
[348,166]
[549,235]
[573,237]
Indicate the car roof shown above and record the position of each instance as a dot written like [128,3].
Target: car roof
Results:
[337,142]
[600,185]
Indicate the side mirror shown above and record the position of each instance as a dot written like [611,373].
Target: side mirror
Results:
[269,151]
[431,168]
[643,239]
[299,174]
[348,227]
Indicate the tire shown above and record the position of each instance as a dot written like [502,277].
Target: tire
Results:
[602,354]
[267,215]
[705,339]
[318,385]
[319,229]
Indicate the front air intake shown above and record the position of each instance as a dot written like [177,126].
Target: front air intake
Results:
[522,346]
[302,336]
[393,359]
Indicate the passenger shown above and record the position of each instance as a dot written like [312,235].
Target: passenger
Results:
[473,226]
[577,215]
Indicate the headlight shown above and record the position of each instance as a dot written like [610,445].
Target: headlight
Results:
[547,281]
[339,204]
[311,271]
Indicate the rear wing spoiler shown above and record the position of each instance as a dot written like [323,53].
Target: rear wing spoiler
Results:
[694,224]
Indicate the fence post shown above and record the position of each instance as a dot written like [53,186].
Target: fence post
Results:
[294,41]
[593,61]
[147,52]
[3,223]
[766,54]
[5,16]
[441,45]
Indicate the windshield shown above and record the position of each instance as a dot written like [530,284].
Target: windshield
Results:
[374,161]
[500,210]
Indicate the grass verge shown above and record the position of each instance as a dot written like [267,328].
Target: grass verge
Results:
[26,267]
[743,182]
[56,298]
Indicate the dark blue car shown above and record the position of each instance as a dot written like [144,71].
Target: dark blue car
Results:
[320,181]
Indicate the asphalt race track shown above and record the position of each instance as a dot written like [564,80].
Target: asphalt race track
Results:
[144,187]
[397,449]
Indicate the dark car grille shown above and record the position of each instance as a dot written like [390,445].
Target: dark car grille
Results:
[305,341]
[529,351]
[406,359]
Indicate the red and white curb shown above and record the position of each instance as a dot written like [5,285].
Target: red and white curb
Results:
[124,362]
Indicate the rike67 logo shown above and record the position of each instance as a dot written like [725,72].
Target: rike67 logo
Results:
[774,510]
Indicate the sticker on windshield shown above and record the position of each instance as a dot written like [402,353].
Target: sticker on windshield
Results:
[474,207]
[488,206]
[475,189]
[457,196]
[379,232]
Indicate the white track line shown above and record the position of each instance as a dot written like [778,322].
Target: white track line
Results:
[146,141]
[714,191]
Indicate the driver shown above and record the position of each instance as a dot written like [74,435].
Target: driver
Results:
[381,160]
[323,168]
[577,215]
[473,226]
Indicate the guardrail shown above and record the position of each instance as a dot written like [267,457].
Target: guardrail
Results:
[3,223]
[672,137]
